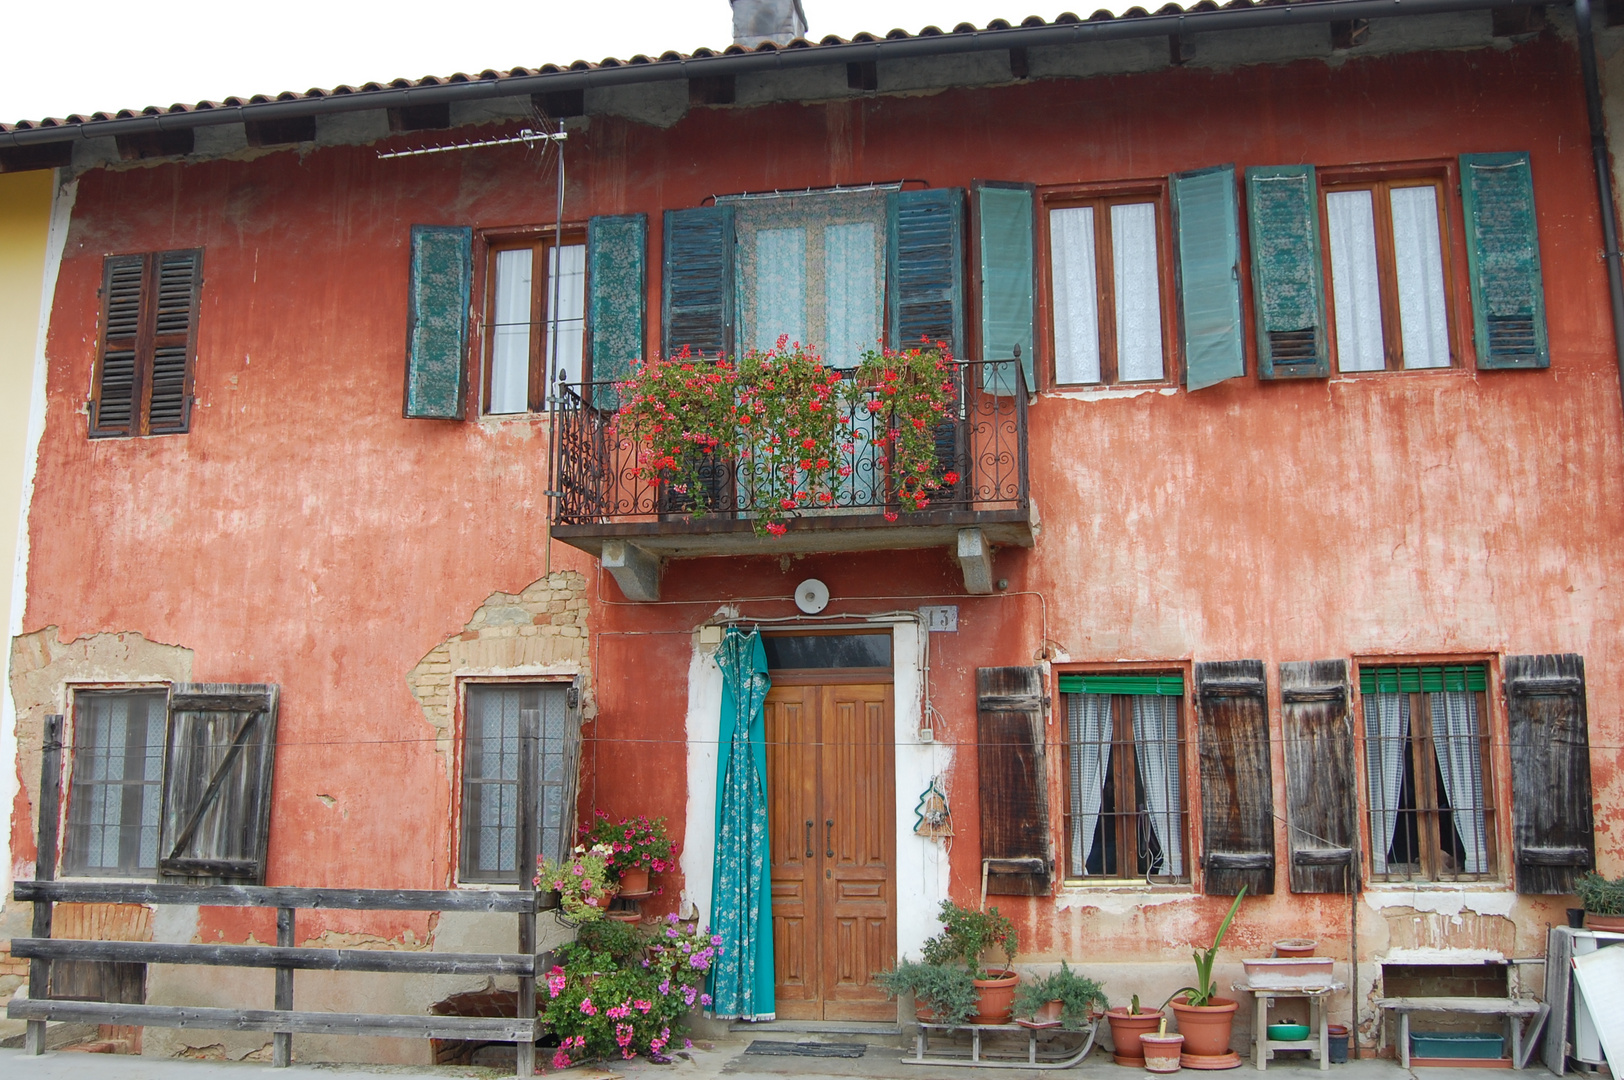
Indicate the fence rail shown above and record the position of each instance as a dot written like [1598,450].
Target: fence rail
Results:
[601,479]
[284,957]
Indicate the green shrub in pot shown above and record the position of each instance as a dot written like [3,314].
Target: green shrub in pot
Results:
[945,989]
[1078,995]
[1599,895]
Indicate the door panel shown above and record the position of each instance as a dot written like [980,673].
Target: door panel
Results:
[830,767]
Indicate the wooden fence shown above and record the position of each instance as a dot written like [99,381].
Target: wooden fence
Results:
[283,1020]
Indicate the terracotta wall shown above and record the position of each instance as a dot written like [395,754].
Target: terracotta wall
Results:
[304,533]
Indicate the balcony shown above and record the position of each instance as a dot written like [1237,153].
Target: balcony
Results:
[605,504]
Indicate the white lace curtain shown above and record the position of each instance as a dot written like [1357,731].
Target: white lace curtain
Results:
[1387,727]
[1089,723]
[1156,745]
[1460,763]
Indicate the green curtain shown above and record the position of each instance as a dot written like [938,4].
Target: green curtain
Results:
[742,915]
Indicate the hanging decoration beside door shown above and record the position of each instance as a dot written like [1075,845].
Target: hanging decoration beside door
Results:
[932,819]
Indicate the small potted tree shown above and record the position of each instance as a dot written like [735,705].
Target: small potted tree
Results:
[1128,1024]
[1205,1019]
[1064,998]
[943,993]
[1603,901]
[966,936]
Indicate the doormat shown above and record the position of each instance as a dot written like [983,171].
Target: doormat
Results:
[807,1049]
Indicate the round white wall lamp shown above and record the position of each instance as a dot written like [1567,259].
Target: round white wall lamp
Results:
[811,596]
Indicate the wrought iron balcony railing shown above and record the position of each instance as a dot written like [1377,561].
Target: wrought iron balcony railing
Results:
[601,490]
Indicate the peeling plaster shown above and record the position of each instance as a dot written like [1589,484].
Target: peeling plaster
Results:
[1118,901]
[1444,901]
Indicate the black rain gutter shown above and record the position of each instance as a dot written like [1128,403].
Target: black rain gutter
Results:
[1604,176]
[1299,13]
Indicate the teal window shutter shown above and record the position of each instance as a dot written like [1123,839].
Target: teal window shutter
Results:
[1502,255]
[615,256]
[437,334]
[925,267]
[1287,276]
[698,295]
[1003,216]
[1209,281]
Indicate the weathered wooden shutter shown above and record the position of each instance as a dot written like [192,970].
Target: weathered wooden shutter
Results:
[1502,255]
[1209,277]
[178,288]
[1553,833]
[1321,825]
[437,332]
[615,256]
[1001,215]
[1288,287]
[1237,793]
[698,280]
[217,782]
[924,254]
[1014,780]
[149,336]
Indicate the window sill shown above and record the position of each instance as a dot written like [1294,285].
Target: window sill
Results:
[1085,886]
[488,886]
[1487,885]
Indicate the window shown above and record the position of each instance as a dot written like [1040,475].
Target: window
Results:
[1427,763]
[116,789]
[1389,272]
[1125,812]
[143,383]
[497,717]
[535,312]
[1105,274]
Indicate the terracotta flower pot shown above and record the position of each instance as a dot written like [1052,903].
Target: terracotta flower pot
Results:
[625,916]
[634,880]
[1162,1052]
[996,1002]
[1049,1011]
[1206,1028]
[1126,1030]
[1295,947]
[1611,923]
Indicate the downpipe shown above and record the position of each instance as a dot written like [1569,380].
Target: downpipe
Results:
[1604,178]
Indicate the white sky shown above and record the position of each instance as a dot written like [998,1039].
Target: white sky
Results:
[126,54]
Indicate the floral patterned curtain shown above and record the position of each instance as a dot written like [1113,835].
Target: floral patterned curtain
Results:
[742,976]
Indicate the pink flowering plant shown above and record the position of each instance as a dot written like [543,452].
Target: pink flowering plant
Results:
[582,882]
[635,842]
[619,994]
[910,393]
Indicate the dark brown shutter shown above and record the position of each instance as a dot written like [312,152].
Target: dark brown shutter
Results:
[149,337]
[1237,795]
[1014,780]
[1553,833]
[217,783]
[1320,806]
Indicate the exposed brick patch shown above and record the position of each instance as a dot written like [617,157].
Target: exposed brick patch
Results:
[488,1003]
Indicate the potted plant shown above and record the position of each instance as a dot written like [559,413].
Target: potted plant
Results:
[1128,1025]
[1603,901]
[943,993]
[1162,1051]
[1063,995]
[582,882]
[1205,1019]
[638,846]
[966,935]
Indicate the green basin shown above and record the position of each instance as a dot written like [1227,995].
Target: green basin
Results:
[1288,1032]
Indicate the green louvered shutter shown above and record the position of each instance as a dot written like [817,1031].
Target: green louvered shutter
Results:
[924,255]
[698,280]
[1209,280]
[615,254]
[1502,253]
[1003,227]
[437,334]
[1289,291]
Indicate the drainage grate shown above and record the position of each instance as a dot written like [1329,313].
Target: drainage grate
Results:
[807,1049]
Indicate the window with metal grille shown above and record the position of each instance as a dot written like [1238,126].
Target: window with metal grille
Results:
[1126,815]
[497,715]
[535,315]
[115,793]
[143,383]
[1427,764]
[1108,311]
[1387,244]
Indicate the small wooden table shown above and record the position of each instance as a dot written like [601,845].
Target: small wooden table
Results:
[1263,1047]
[1513,1009]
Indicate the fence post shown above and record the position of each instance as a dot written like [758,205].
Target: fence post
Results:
[282,1041]
[50,811]
[529,845]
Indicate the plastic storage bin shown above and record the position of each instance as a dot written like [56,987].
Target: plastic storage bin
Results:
[1456,1044]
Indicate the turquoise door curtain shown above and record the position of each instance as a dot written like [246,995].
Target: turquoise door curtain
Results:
[742,977]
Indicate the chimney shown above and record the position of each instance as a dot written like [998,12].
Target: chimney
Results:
[755,21]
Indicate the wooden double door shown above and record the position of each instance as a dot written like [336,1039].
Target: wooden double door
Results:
[832,813]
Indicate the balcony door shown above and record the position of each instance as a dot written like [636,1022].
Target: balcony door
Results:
[830,787]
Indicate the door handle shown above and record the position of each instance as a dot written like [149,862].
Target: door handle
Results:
[811,854]
[829,839]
